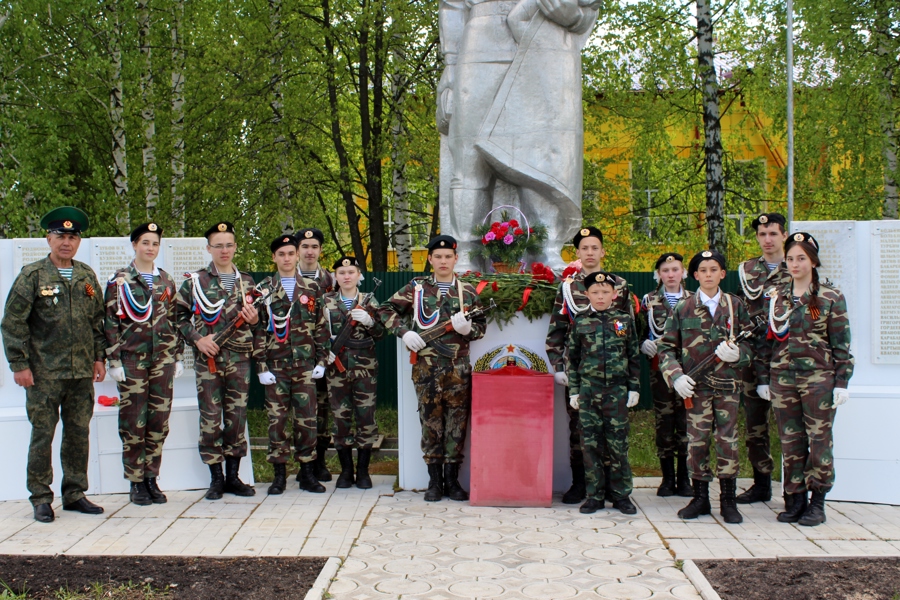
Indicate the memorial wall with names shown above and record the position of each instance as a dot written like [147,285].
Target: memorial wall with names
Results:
[886,292]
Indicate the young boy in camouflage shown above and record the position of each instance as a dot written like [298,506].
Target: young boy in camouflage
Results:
[701,325]
[604,377]
[353,390]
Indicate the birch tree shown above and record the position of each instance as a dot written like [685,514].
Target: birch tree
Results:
[148,113]
[281,141]
[399,188]
[176,93]
[712,130]
[117,120]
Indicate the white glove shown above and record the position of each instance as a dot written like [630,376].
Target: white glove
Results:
[648,348]
[179,368]
[362,317]
[763,392]
[117,374]
[413,341]
[684,386]
[266,378]
[331,357]
[573,401]
[561,378]
[841,395]
[633,399]
[461,324]
[728,352]
[318,372]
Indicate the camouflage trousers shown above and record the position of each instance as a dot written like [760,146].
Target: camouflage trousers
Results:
[45,402]
[444,390]
[713,409]
[291,397]
[604,429]
[757,411]
[222,398]
[670,418]
[353,395]
[575,453]
[144,407]
[804,411]
[323,410]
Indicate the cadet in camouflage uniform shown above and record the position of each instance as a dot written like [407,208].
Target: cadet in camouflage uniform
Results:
[702,325]
[757,276]
[810,368]
[571,300]
[668,409]
[310,242]
[145,355]
[353,391]
[208,302]
[53,337]
[605,380]
[296,348]
[442,373]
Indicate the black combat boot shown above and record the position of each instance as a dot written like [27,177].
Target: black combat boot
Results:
[591,506]
[155,493]
[216,482]
[308,481]
[667,487]
[435,489]
[683,478]
[345,479]
[625,506]
[233,483]
[700,503]
[760,491]
[363,481]
[727,502]
[139,494]
[577,492]
[815,512]
[794,507]
[452,489]
[279,483]
[320,469]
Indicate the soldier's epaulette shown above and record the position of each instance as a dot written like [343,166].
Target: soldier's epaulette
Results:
[828,284]
[32,268]
[114,276]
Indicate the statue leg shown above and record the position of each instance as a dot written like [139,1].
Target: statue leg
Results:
[562,219]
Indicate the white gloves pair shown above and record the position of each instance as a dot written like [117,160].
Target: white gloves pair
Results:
[413,341]
[684,387]
[840,395]
[648,348]
[633,399]
[268,378]
[362,317]
[461,324]
[728,352]
[118,373]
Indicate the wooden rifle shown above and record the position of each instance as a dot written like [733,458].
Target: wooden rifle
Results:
[338,344]
[222,336]
[439,330]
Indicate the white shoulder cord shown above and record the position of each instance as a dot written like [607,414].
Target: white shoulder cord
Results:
[200,298]
[730,317]
[570,300]
[773,320]
[277,321]
[751,292]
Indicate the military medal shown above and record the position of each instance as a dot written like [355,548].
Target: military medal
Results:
[248,299]
[89,290]
[620,327]
[304,299]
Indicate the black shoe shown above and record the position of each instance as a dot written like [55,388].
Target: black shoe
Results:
[43,513]
[320,469]
[139,494]
[727,502]
[683,478]
[233,483]
[216,482]
[760,491]
[452,489]
[435,489]
[815,512]
[578,491]
[794,507]
[83,505]
[279,482]
[153,489]
[699,505]
[625,506]
[345,479]
[591,506]
[363,481]
[667,487]
[308,481]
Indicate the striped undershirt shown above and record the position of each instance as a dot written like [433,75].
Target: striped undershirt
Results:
[66,273]
[309,274]
[348,302]
[796,299]
[288,283]
[673,299]
[227,281]
[772,266]
[148,278]
[444,287]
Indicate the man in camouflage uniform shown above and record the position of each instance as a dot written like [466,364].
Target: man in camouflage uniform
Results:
[442,373]
[571,300]
[702,325]
[53,337]
[353,389]
[605,380]
[145,355]
[208,302]
[758,276]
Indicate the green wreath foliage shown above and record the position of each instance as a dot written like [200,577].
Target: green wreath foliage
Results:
[506,290]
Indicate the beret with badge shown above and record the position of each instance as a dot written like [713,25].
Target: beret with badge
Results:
[587,232]
[441,242]
[345,261]
[668,257]
[768,219]
[311,233]
[281,241]
[800,236]
[704,256]
[220,227]
[599,277]
[145,228]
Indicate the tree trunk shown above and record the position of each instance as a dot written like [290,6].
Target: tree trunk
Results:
[712,129]
[887,121]
[402,237]
[277,105]
[177,95]
[148,114]
[4,186]
[117,120]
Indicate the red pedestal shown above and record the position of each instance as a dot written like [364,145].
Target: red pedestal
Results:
[511,457]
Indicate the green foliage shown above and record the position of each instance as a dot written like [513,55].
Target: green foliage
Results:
[507,290]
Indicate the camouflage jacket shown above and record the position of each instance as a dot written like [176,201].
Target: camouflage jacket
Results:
[359,350]
[562,315]
[603,350]
[655,311]
[52,325]
[307,333]
[821,344]
[692,334]
[158,337]
[323,283]
[756,280]
[397,315]
[193,326]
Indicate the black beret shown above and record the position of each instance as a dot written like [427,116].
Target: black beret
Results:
[65,219]
[221,227]
[285,239]
[145,228]
[668,257]
[345,261]
[585,233]
[599,277]
[310,233]
[441,242]
[800,236]
[706,255]
[768,219]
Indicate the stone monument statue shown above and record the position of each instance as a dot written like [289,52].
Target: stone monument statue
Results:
[509,104]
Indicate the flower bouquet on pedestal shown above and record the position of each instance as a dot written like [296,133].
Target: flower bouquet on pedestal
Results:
[506,243]
[532,293]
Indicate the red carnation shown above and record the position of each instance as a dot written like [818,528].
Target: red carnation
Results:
[518,231]
[495,224]
[531,230]
[513,223]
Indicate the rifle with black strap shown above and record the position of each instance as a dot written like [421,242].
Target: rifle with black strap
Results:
[437,331]
[341,339]
[222,336]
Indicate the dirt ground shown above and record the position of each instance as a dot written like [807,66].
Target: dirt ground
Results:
[804,579]
[189,578]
